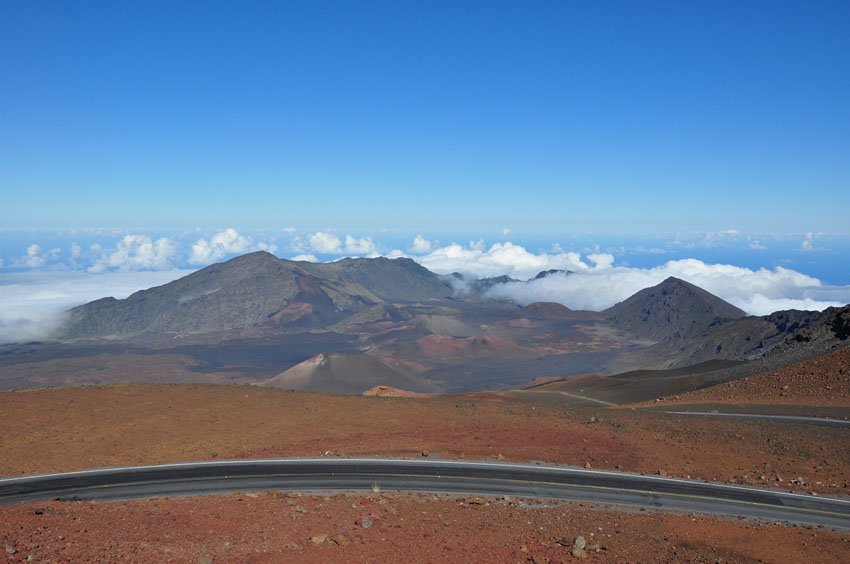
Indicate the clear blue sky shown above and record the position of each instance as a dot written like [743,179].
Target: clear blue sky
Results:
[617,116]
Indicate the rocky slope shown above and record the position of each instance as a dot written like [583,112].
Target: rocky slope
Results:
[674,308]
[346,374]
[255,289]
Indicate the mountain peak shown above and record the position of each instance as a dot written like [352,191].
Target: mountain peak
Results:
[673,308]
[258,289]
[256,256]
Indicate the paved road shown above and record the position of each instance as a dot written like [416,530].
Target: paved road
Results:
[539,481]
[827,422]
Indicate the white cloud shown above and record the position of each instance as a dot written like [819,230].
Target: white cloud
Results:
[420,245]
[33,258]
[756,246]
[506,232]
[397,253]
[137,252]
[288,230]
[757,292]
[501,258]
[32,304]
[601,260]
[221,244]
[323,242]
[76,251]
[305,258]
[363,246]
[808,243]
[268,247]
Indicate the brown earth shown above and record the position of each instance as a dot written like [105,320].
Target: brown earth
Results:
[279,527]
[53,430]
[824,380]
[389,392]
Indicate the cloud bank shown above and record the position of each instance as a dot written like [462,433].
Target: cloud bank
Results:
[138,252]
[32,304]
[327,243]
[223,243]
[596,284]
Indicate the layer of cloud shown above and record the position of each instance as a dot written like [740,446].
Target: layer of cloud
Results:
[421,245]
[137,252]
[596,284]
[363,246]
[32,304]
[326,243]
[221,244]
[501,258]
[758,292]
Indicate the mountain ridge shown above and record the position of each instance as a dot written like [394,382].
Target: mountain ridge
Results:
[672,309]
[256,289]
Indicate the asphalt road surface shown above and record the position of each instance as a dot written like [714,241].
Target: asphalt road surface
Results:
[782,418]
[479,478]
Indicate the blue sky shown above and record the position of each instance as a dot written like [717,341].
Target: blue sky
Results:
[627,141]
[555,117]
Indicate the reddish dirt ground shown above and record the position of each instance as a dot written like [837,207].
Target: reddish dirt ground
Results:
[76,428]
[824,380]
[390,392]
[279,527]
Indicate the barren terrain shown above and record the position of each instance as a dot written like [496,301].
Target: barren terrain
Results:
[821,381]
[52,430]
[277,527]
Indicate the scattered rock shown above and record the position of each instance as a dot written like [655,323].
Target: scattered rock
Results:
[579,543]
[587,465]
[579,553]
[339,540]
[204,560]
[318,539]
[11,549]
[366,522]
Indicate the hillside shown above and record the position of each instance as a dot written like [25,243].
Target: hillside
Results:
[255,289]
[345,374]
[823,380]
[673,308]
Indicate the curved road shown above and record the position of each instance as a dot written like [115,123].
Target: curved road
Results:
[484,478]
[824,421]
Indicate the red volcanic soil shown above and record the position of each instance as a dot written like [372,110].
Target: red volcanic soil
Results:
[389,392]
[51,430]
[294,311]
[280,527]
[824,380]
